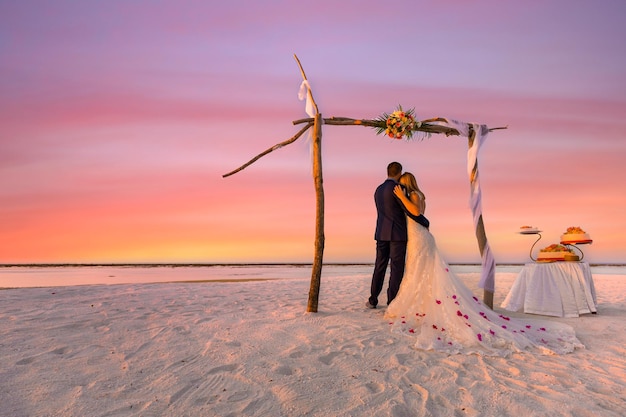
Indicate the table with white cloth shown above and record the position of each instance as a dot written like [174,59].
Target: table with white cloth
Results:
[562,289]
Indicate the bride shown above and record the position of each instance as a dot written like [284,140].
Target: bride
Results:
[440,313]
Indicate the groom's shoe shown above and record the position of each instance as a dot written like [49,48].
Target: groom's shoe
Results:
[369,305]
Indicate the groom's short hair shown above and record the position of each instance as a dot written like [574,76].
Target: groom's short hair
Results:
[394,169]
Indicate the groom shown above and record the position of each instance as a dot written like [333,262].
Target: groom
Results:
[391,237]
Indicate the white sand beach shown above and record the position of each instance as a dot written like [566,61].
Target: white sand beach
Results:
[250,349]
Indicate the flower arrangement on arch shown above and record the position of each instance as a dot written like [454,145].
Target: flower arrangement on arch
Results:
[398,124]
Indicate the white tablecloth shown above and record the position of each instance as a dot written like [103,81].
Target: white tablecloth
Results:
[562,289]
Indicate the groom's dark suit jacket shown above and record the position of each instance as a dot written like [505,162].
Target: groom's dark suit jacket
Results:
[391,220]
[391,223]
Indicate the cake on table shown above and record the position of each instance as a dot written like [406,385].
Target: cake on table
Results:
[575,235]
[528,230]
[554,252]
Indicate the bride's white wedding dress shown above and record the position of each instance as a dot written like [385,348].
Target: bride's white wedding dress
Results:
[440,313]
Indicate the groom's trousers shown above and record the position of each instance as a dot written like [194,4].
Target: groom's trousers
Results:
[392,253]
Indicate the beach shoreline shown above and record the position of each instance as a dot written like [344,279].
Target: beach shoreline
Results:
[42,275]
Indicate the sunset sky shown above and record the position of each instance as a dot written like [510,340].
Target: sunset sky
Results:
[119,118]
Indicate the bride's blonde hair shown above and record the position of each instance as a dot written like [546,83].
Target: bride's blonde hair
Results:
[408,180]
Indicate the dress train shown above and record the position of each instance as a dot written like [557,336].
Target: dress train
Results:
[440,312]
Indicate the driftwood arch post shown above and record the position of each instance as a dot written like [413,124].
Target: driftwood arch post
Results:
[475,134]
[316,270]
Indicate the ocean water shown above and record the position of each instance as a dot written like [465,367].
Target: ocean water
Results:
[18,276]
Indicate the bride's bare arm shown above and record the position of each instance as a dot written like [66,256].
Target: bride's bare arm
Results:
[411,206]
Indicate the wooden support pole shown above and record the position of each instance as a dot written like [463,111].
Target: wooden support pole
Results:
[316,271]
[482,241]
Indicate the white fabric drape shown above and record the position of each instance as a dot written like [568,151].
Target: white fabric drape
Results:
[305,93]
[487,278]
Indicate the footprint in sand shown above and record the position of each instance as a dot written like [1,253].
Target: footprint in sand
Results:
[374,387]
[296,354]
[25,361]
[60,351]
[328,359]
[283,370]
[223,368]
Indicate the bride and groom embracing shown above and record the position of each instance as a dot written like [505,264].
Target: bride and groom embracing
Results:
[427,300]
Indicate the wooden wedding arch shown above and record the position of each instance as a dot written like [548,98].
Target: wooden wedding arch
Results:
[474,132]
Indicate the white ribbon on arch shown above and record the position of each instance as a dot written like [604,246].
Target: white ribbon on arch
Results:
[305,93]
[487,277]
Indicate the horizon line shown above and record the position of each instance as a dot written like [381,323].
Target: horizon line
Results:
[213,264]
